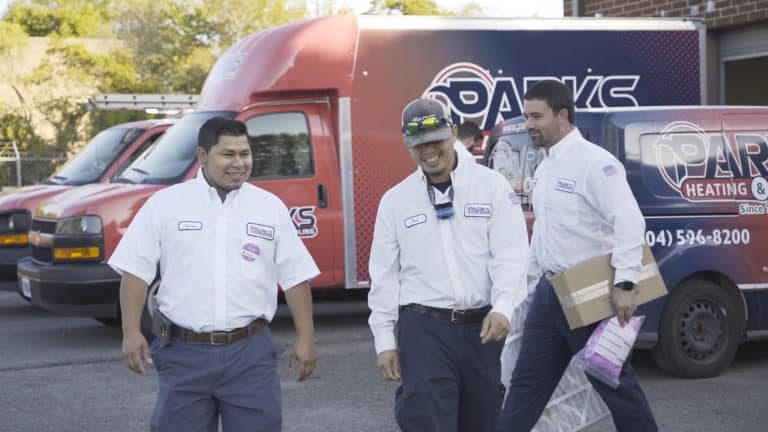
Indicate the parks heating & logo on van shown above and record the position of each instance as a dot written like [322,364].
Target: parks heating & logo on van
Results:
[707,166]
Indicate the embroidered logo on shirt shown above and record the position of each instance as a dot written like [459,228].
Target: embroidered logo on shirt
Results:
[565,185]
[190,226]
[477,210]
[514,199]
[260,231]
[249,252]
[609,170]
[415,220]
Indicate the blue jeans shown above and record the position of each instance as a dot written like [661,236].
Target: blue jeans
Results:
[547,347]
[450,381]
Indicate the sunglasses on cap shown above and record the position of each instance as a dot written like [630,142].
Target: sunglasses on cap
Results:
[427,123]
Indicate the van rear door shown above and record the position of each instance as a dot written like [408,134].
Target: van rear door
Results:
[294,157]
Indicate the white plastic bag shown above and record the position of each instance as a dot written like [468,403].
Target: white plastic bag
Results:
[574,405]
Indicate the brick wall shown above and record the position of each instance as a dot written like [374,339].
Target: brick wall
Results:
[717,14]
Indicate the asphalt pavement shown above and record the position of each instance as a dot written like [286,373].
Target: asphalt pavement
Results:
[65,374]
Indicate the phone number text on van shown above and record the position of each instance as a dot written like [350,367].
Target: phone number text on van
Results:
[681,237]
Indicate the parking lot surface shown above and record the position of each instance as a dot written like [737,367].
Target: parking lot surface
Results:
[66,374]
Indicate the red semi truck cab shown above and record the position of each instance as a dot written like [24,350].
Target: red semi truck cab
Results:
[322,101]
[105,155]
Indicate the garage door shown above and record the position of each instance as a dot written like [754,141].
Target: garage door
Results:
[744,65]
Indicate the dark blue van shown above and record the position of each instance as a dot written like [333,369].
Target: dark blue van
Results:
[700,176]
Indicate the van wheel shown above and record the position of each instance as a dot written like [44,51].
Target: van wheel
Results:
[146,314]
[699,331]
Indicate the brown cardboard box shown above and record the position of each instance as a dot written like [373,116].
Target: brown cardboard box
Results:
[584,290]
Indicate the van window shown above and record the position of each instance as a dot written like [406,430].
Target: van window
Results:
[694,166]
[280,145]
[174,153]
[136,153]
[687,173]
[96,158]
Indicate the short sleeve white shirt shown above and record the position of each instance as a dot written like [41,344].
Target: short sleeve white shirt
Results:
[220,262]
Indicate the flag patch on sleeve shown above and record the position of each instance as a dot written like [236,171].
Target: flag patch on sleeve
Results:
[609,170]
[514,199]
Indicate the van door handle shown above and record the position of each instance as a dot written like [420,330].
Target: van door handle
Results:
[322,196]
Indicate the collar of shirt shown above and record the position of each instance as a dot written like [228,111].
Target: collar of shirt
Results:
[210,193]
[561,147]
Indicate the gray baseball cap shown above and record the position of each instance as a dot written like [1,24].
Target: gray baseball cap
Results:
[420,109]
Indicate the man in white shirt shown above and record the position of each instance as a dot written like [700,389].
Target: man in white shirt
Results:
[448,268]
[223,246]
[584,208]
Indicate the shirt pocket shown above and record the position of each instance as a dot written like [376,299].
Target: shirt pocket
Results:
[415,232]
[186,233]
[255,256]
[564,208]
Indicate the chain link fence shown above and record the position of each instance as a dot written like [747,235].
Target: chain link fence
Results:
[17,170]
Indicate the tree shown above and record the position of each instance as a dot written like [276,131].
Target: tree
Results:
[409,7]
[162,46]
[472,9]
[63,17]
[15,124]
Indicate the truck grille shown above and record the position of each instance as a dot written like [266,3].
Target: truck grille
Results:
[42,254]
[44,226]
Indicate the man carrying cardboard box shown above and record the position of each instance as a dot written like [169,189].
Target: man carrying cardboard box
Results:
[584,208]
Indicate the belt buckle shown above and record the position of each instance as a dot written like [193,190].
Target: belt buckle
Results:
[228,336]
[455,313]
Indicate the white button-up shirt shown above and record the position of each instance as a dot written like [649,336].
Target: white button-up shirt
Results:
[584,208]
[220,262]
[475,258]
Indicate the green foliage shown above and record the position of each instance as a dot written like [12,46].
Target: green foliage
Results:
[78,18]
[166,46]
[414,7]
[16,126]
[12,37]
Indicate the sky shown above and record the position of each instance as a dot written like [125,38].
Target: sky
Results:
[494,8]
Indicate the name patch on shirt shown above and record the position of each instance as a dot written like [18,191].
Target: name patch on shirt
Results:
[190,226]
[565,185]
[478,210]
[415,220]
[260,231]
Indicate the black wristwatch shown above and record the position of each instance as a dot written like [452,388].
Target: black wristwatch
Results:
[625,285]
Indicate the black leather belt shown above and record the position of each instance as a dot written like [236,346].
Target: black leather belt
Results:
[458,316]
[219,337]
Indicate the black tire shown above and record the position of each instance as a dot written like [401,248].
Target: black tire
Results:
[699,332]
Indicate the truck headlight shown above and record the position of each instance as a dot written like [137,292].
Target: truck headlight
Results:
[15,222]
[13,229]
[79,225]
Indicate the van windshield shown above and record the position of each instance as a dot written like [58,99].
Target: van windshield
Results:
[516,158]
[168,161]
[97,156]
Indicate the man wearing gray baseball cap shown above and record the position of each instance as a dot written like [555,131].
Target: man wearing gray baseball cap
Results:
[448,268]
